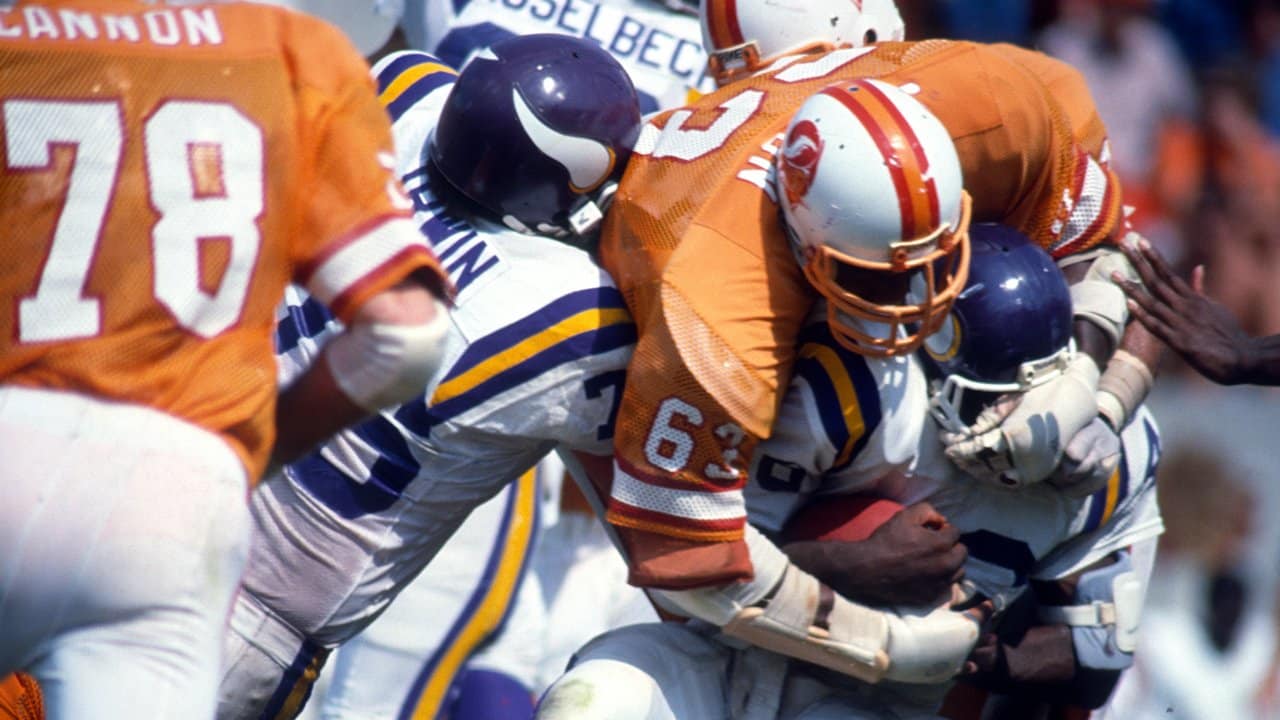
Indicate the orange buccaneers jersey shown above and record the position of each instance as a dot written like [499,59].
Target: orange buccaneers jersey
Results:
[695,243]
[164,173]
[20,698]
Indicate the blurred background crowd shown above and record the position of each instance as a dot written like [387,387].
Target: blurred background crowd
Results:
[1190,92]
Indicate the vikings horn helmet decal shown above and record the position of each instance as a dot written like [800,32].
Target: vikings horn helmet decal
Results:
[1009,329]
[588,161]
[537,132]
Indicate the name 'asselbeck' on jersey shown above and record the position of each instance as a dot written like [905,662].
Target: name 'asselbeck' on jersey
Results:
[660,49]
[534,360]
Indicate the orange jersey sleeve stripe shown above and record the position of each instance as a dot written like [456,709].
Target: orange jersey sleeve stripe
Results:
[646,502]
[1095,211]
[623,515]
[343,278]
[669,482]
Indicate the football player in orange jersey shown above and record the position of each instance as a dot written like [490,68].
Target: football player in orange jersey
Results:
[713,281]
[165,172]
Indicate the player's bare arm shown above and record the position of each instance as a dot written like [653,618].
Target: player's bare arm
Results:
[386,356]
[1196,326]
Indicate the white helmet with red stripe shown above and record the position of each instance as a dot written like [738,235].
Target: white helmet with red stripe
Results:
[873,201]
[743,36]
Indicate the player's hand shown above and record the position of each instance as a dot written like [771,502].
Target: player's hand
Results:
[912,559]
[1198,328]
[1019,439]
[1091,457]
[985,657]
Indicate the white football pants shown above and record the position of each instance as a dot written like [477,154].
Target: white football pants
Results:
[123,533]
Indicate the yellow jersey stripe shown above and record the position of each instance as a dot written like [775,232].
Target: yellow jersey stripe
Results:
[302,689]
[498,598]
[850,408]
[408,78]
[1113,496]
[587,320]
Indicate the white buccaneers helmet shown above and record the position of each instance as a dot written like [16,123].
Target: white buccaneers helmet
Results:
[869,184]
[743,36]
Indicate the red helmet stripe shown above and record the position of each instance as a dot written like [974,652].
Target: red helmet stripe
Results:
[931,187]
[722,17]
[917,198]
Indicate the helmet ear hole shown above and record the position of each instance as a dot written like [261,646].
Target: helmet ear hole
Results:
[869,37]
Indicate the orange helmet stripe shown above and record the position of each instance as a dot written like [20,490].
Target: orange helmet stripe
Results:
[902,152]
[722,22]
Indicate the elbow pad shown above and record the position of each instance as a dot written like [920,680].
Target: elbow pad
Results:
[804,619]
[786,610]
[378,365]
[1104,620]
[1096,297]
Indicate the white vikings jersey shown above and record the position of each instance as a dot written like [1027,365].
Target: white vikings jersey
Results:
[854,424]
[535,360]
[660,49]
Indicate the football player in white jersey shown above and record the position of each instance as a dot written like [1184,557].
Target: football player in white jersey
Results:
[658,43]
[854,424]
[533,135]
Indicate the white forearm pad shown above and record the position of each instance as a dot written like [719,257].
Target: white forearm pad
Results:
[804,619]
[1104,622]
[378,365]
[1122,388]
[929,645]
[1097,298]
[719,605]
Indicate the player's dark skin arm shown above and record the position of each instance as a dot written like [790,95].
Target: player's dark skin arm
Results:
[912,559]
[1031,664]
[1195,326]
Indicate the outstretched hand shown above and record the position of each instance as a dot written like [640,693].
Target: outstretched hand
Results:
[1197,327]
[912,559]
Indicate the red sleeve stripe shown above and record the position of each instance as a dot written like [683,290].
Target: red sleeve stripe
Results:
[903,154]
[626,515]
[684,506]
[624,466]
[350,261]
[1093,207]
[376,280]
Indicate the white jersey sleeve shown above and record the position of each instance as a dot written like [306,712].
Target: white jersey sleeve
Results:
[1123,513]
[660,49]
[534,360]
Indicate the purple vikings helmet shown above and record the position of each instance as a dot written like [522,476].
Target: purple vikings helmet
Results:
[1009,330]
[537,130]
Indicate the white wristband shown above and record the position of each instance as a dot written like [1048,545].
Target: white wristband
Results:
[378,365]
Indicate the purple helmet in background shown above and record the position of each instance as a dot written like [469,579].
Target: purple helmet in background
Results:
[1009,330]
[538,130]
